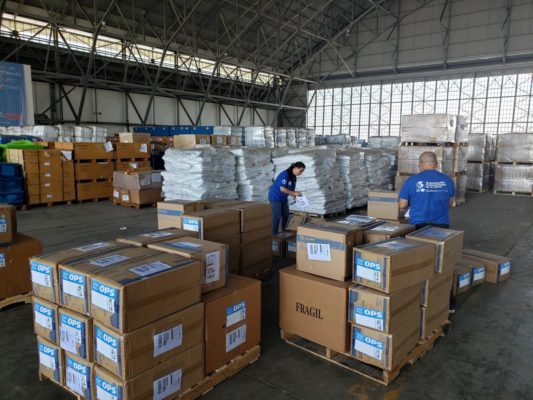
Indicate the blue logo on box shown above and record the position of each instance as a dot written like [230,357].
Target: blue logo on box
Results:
[104,289]
[367,312]
[72,277]
[110,388]
[368,340]
[236,308]
[361,262]
[70,321]
[106,337]
[43,310]
[43,269]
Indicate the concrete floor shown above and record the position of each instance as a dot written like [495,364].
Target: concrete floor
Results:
[487,355]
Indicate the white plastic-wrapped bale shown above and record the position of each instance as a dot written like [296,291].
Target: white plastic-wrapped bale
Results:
[259,136]
[222,130]
[291,137]
[433,128]
[338,139]
[46,133]
[355,178]
[280,135]
[378,167]
[310,138]
[515,147]
[65,133]
[254,173]
[383,142]
[238,132]
[99,134]
[477,146]
[513,178]
[321,182]
[301,137]
[478,176]
[450,159]
[460,189]
[199,174]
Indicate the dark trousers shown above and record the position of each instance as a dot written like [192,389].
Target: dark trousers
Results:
[280,212]
[420,226]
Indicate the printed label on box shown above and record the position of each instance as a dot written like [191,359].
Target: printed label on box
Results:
[167,385]
[369,346]
[109,260]
[185,245]
[212,267]
[318,252]
[48,356]
[464,280]
[150,268]
[70,333]
[369,270]
[235,338]
[157,235]
[2,260]
[168,340]
[371,318]
[44,316]
[275,246]
[125,197]
[479,274]
[103,296]
[106,344]
[41,274]
[235,314]
[291,247]
[106,390]
[93,246]
[505,268]
[108,146]
[73,284]
[191,224]
[3,225]
[116,195]
[143,148]
[386,228]
[67,154]
[78,376]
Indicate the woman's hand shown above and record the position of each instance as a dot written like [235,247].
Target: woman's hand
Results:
[297,194]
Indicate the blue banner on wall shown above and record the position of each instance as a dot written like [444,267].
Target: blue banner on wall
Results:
[12,98]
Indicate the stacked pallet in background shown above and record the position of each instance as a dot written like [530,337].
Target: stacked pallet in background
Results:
[514,164]
[443,134]
[137,188]
[93,170]
[132,155]
[480,166]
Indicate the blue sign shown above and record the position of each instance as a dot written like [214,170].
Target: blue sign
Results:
[12,97]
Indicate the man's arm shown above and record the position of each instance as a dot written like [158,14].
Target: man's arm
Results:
[452,199]
[402,205]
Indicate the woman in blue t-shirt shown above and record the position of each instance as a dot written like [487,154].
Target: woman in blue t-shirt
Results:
[283,187]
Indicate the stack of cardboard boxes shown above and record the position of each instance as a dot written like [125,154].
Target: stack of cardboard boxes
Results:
[93,170]
[126,319]
[137,188]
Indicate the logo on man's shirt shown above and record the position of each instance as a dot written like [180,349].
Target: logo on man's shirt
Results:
[431,187]
[420,186]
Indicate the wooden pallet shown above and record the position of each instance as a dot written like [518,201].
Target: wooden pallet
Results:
[523,194]
[43,378]
[131,205]
[346,361]
[225,372]
[49,204]
[20,298]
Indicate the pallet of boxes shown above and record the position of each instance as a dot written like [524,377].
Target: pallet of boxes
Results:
[137,188]
[443,134]
[155,315]
[370,308]
[480,166]
[513,173]
[132,152]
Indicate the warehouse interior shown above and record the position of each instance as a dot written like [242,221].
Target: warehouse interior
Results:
[211,101]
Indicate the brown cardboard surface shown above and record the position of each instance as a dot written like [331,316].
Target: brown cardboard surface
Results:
[191,141]
[92,151]
[136,180]
[214,257]
[187,368]
[497,268]
[279,243]
[296,220]
[138,351]
[144,239]
[462,278]
[94,190]
[314,308]
[434,283]
[94,170]
[15,270]
[448,243]
[8,223]
[169,212]
[50,360]
[325,250]
[383,204]
[212,224]
[132,150]
[393,264]
[436,312]
[380,311]
[387,230]
[76,333]
[254,215]
[127,296]
[45,319]
[133,137]
[232,320]
[145,196]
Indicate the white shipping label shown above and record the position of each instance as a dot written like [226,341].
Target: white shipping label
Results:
[106,349]
[108,146]
[47,360]
[125,197]
[235,314]
[104,302]
[76,381]
[44,320]
[367,317]
[368,270]
[479,276]
[101,394]
[212,267]
[115,194]
[143,148]
[93,246]
[191,225]
[167,385]
[464,280]
[134,165]
[3,226]
[505,268]
[235,338]
[69,338]
[40,279]
[368,349]
[318,252]
[74,289]
[302,202]
[109,260]
[168,340]
[67,154]
[150,269]
[2,260]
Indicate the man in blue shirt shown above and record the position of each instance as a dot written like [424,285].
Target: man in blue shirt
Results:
[428,194]
[283,187]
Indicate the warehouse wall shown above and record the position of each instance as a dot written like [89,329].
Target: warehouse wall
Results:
[114,110]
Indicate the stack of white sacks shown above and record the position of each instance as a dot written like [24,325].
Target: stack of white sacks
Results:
[378,168]
[46,133]
[65,133]
[254,173]
[280,137]
[199,174]
[95,134]
[291,137]
[259,136]
[321,182]
[355,178]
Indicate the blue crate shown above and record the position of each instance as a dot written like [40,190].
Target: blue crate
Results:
[180,130]
[10,170]
[13,198]
[202,130]
[11,184]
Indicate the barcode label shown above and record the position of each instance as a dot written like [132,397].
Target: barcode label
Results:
[93,246]
[235,314]
[69,338]
[168,340]
[150,269]
[212,267]
[109,260]
[47,360]
[76,381]
[156,235]
[44,320]
[318,252]
[235,338]
[74,289]
[464,280]
[368,270]
[167,385]
[106,350]
[40,278]
[104,302]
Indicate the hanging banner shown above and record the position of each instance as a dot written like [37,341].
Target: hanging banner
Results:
[12,96]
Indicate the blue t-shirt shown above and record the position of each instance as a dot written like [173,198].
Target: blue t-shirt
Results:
[428,193]
[283,180]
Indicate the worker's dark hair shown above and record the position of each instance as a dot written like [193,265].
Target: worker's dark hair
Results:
[297,164]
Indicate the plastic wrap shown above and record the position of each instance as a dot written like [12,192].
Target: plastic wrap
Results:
[477,145]
[513,178]
[478,176]
[321,181]
[515,147]
[291,137]
[433,128]
[222,130]
[280,136]
[353,172]
[460,188]
[378,168]
[199,174]
[310,138]
[254,173]
[450,159]
[384,142]
[259,136]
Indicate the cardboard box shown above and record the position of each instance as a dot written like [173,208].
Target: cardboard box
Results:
[14,265]
[325,250]
[383,312]
[254,215]
[292,246]
[234,141]
[132,150]
[448,243]
[477,270]
[314,308]
[79,375]
[436,312]
[8,223]
[385,350]
[462,278]
[256,251]
[383,204]
[124,197]
[279,243]
[137,180]
[212,224]
[45,267]
[137,165]
[214,257]
[45,319]
[136,352]
[127,296]
[354,220]
[50,360]
[74,276]
[94,190]
[435,283]
[232,321]
[191,141]
[219,140]
[145,196]
[387,230]
[94,170]
[144,239]
[394,264]
[165,381]
[134,137]
[76,333]
[497,268]
[169,212]
[296,220]
[93,151]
